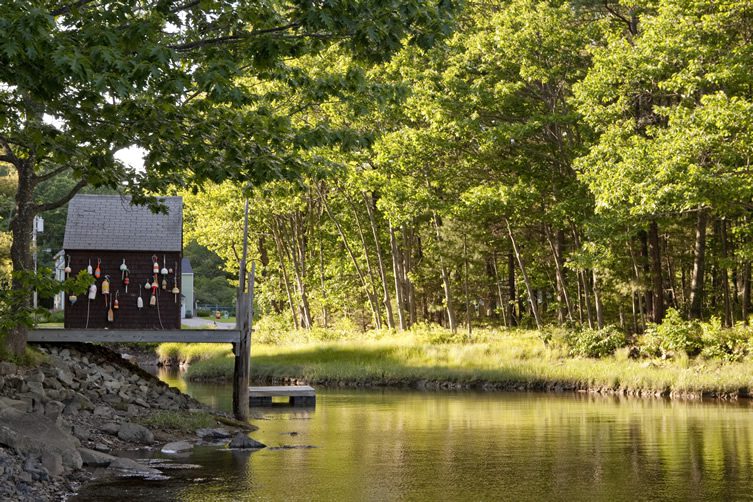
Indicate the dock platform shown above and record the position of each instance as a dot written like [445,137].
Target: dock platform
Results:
[299,395]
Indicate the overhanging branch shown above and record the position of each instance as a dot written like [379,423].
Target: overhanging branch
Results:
[230,38]
[51,174]
[39,208]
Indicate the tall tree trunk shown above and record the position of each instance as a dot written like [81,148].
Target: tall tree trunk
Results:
[585,281]
[699,263]
[325,310]
[728,319]
[445,279]
[282,254]
[511,290]
[657,282]
[20,251]
[745,304]
[597,302]
[397,272]
[529,288]
[386,300]
[465,288]
[354,260]
[556,249]
[649,295]
[498,284]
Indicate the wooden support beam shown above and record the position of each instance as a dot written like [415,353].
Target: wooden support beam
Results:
[54,335]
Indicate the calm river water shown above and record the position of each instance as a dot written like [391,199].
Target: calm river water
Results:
[391,445]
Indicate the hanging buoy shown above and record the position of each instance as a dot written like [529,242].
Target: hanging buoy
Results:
[155,265]
[164,265]
[153,300]
[140,301]
[98,270]
[147,286]
[126,281]
[67,269]
[116,304]
[123,269]
[164,284]
[73,299]
[175,291]
[89,269]
[110,315]
[106,285]
[92,291]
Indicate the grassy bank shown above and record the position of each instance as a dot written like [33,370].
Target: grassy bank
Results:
[512,360]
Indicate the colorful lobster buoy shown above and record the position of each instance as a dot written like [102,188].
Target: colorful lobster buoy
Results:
[92,291]
[155,285]
[106,289]
[123,270]
[176,291]
[126,281]
[73,298]
[155,264]
[67,269]
[164,265]
[115,303]
[98,270]
[89,269]
[140,301]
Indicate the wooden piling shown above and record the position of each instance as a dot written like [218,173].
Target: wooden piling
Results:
[242,350]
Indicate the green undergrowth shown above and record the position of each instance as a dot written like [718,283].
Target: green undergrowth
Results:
[720,363]
[189,353]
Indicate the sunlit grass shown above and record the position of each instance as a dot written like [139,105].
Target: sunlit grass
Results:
[494,356]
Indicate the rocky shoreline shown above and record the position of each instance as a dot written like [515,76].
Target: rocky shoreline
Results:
[64,422]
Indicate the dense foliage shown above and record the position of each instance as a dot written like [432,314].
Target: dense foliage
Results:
[574,162]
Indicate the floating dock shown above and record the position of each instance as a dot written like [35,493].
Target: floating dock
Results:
[299,395]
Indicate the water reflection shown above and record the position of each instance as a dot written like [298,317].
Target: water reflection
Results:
[414,446]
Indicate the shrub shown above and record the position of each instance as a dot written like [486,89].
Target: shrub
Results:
[672,336]
[726,344]
[595,343]
[203,313]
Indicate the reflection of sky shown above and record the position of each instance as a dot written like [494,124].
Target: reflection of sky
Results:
[445,446]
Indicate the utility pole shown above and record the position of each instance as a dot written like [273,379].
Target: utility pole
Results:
[37,226]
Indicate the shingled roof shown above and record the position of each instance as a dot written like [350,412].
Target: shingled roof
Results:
[111,223]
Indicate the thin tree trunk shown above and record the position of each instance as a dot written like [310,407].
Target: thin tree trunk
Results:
[560,283]
[597,302]
[465,288]
[512,290]
[500,297]
[657,282]
[386,300]
[649,296]
[585,281]
[351,254]
[396,270]
[699,263]
[286,279]
[445,279]
[728,319]
[325,310]
[527,282]
[745,304]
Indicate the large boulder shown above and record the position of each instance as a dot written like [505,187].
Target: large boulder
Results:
[30,434]
[130,468]
[95,458]
[242,441]
[135,433]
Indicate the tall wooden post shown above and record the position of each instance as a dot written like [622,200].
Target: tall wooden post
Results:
[242,350]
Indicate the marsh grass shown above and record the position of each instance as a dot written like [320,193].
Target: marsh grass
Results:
[495,356]
[179,421]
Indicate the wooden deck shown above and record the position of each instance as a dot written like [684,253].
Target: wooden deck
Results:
[53,335]
[299,395]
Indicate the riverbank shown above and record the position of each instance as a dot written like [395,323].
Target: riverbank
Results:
[491,360]
[73,410]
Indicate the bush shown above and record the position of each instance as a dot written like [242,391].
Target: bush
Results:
[203,313]
[726,344]
[595,343]
[672,336]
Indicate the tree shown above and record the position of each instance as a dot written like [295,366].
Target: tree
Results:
[79,81]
